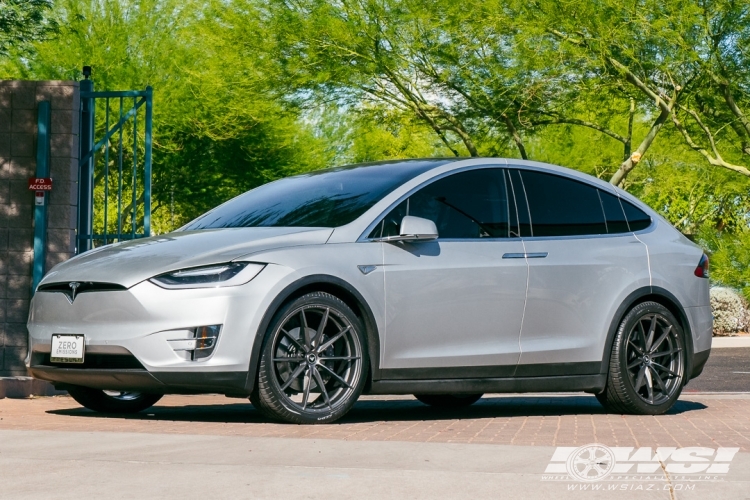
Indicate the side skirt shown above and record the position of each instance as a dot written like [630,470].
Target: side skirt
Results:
[572,383]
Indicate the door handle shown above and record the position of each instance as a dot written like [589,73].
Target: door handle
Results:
[536,255]
[533,255]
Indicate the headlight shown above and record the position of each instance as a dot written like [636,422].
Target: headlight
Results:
[231,274]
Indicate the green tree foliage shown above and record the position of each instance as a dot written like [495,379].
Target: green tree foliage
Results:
[217,132]
[651,95]
[23,22]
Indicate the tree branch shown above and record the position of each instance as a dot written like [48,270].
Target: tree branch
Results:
[516,137]
[632,161]
[715,161]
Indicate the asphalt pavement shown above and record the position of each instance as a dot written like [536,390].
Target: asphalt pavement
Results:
[727,370]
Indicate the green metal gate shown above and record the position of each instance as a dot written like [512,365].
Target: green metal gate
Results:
[114,181]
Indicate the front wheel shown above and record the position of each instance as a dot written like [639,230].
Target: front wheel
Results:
[647,364]
[113,401]
[448,400]
[314,362]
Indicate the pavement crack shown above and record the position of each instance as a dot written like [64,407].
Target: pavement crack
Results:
[669,481]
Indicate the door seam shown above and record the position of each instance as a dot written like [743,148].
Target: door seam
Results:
[525,300]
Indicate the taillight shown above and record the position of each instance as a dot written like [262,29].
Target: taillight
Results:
[702,270]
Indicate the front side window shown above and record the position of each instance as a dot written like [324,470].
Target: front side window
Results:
[559,206]
[466,205]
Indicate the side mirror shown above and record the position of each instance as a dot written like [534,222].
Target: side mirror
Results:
[415,229]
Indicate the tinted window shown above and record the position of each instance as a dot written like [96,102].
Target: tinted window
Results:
[328,198]
[616,221]
[560,207]
[637,218]
[470,204]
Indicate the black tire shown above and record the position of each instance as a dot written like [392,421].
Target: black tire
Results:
[647,364]
[448,400]
[297,361]
[115,402]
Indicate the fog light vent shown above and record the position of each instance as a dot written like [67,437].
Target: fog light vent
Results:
[200,343]
[205,341]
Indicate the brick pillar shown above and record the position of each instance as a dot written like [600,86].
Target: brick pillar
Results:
[18,119]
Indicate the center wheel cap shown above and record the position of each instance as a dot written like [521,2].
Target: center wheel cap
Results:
[311,358]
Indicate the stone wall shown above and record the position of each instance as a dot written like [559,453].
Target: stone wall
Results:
[18,124]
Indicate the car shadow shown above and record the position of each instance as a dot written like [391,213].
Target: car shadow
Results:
[390,410]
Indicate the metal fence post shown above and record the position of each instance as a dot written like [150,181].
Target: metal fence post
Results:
[40,211]
[147,163]
[86,170]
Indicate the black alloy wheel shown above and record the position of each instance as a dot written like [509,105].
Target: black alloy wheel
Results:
[647,365]
[314,363]
[113,401]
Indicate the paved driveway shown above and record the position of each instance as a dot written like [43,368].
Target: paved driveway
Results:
[505,446]
[211,446]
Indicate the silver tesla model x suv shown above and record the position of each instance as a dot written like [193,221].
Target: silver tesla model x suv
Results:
[442,278]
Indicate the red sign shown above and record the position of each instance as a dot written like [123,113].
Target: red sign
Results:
[40,184]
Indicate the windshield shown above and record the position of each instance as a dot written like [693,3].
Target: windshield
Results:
[326,198]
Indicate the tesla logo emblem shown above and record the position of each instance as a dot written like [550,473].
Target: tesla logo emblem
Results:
[73,287]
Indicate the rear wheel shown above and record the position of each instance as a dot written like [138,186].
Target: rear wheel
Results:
[113,401]
[314,363]
[448,400]
[647,364]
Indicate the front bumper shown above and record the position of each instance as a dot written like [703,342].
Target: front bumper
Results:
[140,322]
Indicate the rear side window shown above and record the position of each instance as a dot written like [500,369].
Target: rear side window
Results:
[466,205]
[559,206]
[614,214]
[637,218]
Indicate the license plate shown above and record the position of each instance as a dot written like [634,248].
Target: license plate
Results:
[67,349]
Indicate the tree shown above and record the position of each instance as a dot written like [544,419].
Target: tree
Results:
[217,133]
[23,22]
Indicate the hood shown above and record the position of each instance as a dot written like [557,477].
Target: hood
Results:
[131,262]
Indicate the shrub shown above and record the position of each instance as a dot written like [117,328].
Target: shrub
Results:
[730,311]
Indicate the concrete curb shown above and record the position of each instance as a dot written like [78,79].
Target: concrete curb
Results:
[728,342]
[24,387]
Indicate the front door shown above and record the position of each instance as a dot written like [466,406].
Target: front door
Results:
[454,306]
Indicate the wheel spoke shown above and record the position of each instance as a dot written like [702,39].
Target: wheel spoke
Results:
[288,360]
[650,386]
[639,379]
[635,363]
[635,346]
[666,353]
[306,393]
[305,329]
[294,341]
[660,382]
[340,358]
[642,335]
[659,341]
[338,377]
[664,369]
[323,324]
[323,391]
[333,339]
[651,332]
[292,377]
